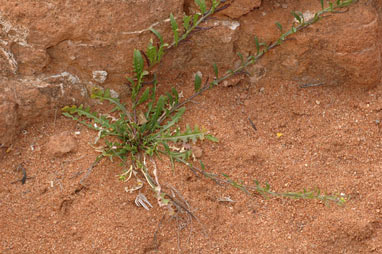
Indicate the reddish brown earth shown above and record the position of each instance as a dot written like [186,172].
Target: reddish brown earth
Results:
[331,140]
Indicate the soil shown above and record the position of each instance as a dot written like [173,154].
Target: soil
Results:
[331,140]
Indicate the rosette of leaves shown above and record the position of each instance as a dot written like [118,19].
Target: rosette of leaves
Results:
[145,128]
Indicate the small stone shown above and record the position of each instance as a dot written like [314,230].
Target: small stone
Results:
[284,6]
[197,151]
[256,72]
[262,90]
[100,76]
[61,144]
[318,102]
[113,94]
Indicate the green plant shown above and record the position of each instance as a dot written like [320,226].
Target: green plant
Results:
[145,127]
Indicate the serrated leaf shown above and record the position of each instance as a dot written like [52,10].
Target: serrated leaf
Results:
[145,96]
[202,165]
[197,82]
[297,17]
[257,45]
[186,22]
[157,34]
[132,83]
[152,53]
[158,111]
[240,56]
[175,94]
[202,5]
[174,119]
[107,93]
[212,138]
[138,63]
[188,135]
[195,19]
[170,98]
[161,52]
[101,96]
[216,71]
[279,26]
[174,27]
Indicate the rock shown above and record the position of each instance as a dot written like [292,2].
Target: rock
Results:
[197,151]
[239,8]
[329,51]
[28,101]
[256,72]
[61,144]
[215,45]
[45,38]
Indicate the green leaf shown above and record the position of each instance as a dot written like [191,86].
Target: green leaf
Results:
[202,165]
[144,97]
[202,5]
[279,26]
[161,51]
[241,57]
[257,45]
[195,19]
[212,138]
[175,94]
[157,34]
[188,135]
[138,63]
[98,94]
[197,82]
[158,111]
[131,81]
[174,27]
[298,18]
[322,4]
[186,22]
[174,119]
[216,71]
[152,53]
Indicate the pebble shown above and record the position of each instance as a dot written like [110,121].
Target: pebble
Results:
[197,151]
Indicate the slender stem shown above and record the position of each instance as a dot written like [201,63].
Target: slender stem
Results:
[201,20]
[252,59]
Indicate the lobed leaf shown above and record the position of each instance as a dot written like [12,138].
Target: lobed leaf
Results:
[174,27]
[144,97]
[138,63]
[297,17]
[186,22]
[197,82]
[152,53]
[216,71]
[279,26]
[202,6]
[157,34]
